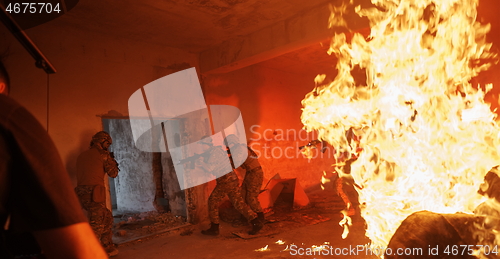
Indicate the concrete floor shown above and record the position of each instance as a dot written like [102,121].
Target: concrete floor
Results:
[304,228]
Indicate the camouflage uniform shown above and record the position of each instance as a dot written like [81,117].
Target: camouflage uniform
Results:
[226,185]
[92,166]
[100,217]
[254,176]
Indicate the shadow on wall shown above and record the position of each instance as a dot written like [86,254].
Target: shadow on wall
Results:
[83,144]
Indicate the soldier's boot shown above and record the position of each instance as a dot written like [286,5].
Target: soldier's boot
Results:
[260,216]
[257,225]
[212,231]
[243,220]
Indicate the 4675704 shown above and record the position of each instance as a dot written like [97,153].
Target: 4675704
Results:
[25,8]
[470,250]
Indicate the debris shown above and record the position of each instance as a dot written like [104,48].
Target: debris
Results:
[121,233]
[146,223]
[245,235]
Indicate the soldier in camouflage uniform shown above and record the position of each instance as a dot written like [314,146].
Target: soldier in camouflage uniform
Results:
[250,189]
[228,184]
[92,166]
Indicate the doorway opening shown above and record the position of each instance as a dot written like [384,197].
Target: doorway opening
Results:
[146,197]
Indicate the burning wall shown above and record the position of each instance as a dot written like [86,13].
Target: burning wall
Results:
[426,136]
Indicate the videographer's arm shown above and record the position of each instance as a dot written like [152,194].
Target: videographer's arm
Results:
[76,241]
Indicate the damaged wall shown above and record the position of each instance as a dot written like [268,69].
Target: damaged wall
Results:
[176,197]
[134,185]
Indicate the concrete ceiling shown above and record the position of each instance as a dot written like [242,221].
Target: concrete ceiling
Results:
[199,25]
[225,28]
[192,25]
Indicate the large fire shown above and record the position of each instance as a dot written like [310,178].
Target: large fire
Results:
[426,135]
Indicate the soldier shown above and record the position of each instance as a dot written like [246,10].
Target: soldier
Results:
[228,184]
[250,189]
[92,166]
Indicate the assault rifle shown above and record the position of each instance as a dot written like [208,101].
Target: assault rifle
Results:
[192,159]
[112,155]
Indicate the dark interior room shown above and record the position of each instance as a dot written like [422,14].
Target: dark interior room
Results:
[374,121]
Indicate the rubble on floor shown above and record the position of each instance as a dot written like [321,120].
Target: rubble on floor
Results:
[283,216]
[131,226]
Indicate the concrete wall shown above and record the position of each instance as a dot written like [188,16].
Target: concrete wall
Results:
[134,187]
[176,197]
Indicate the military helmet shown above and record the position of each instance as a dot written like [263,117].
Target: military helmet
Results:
[231,139]
[100,137]
[207,140]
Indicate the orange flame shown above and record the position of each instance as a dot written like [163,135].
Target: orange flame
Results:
[265,248]
[427,136]
[324,180]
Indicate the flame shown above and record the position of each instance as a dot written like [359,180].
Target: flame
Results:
[280,242]
[349,210]
[265,248]
[324,180]
[320,248]
[346,222]
[307,152]
[426,136]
